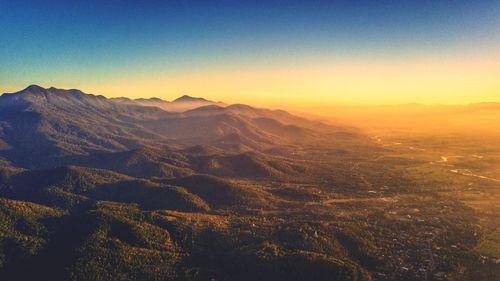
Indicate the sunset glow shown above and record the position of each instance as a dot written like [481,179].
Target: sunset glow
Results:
[335,53]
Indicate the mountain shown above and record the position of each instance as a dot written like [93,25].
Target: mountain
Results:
[152,194]
[40,127]
[180,104]
[252,112]
[118,189]
[186,98]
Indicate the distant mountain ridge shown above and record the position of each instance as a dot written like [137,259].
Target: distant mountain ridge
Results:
[180,104]
[39,126]
[186,98]
[183,98]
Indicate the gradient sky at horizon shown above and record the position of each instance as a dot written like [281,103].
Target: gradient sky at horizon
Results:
[269,53]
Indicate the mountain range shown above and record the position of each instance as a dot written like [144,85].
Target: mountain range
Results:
[93,188]
[96,188]
[45,127]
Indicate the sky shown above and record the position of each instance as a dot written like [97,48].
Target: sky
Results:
[296,54]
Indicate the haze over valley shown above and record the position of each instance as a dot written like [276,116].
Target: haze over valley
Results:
[194,190]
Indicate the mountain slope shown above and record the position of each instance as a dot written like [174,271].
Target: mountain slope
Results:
[70,186]
[40,127]
[112,189]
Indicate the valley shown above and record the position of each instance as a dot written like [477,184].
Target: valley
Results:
[101,189]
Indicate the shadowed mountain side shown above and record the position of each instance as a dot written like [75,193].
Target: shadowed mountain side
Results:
[150,196]
[67,186]
[69,178]
[208,129]
[222,193]
[40,127]
[142,162]
[222,130]
[147,163]
[245,165]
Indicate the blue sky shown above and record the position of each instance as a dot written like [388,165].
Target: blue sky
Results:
[85,42]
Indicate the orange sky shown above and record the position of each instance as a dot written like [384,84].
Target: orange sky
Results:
[315,86]
[299,56]
[429,81]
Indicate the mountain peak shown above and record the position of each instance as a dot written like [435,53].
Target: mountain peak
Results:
[39,89]
[186,98]
[34,88]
